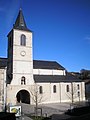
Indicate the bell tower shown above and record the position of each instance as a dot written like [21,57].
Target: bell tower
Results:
[20,62]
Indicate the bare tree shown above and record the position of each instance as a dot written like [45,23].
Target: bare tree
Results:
[36,97]
[84,74]
[73,93]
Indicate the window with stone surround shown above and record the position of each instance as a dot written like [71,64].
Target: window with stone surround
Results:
[54,89]
[78,94]
[23,40]
[40,90]
[23,80]
[78,87]
[67,88]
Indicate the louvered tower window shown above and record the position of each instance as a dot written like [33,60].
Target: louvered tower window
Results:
[23,40]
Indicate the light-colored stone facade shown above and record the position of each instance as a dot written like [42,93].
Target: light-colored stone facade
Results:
[1,84]
[48,96]
[21,65]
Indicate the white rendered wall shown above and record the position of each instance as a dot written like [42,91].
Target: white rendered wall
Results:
[61,94]
[48,96]
[67,96]
[48,72]
[22,65]
[1,83]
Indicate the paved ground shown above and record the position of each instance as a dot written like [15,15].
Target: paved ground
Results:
[47,109]
[23,118]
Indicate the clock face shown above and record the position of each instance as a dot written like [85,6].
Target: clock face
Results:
[23,53]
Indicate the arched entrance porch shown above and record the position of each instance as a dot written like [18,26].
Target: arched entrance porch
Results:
[23,96]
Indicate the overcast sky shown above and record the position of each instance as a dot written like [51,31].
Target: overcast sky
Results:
[61,29]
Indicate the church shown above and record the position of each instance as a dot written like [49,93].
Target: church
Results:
[25,80]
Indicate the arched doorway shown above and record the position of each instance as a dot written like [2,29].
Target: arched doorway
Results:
[23,96]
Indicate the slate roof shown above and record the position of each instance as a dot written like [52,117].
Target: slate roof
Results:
[3,62]
[20,22]
[56,78]
[40,64]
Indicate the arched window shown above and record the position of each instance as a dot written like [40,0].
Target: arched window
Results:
[78,94]
[78,87]
[40,90]
[54,89]
[67,88]
[23,82]
[23,40]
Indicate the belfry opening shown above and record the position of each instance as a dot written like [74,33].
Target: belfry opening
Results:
[23,96]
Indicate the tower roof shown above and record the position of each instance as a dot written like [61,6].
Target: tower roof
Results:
[20,22]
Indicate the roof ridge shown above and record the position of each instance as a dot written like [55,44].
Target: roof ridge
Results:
[46,60]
